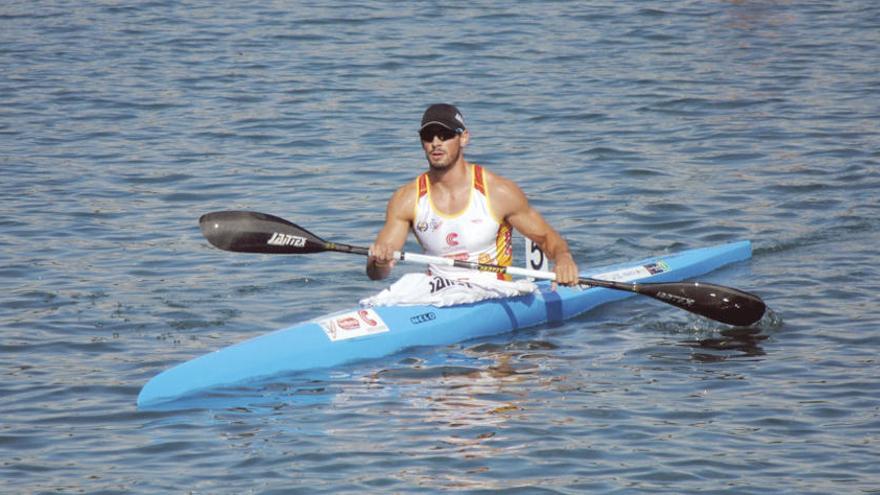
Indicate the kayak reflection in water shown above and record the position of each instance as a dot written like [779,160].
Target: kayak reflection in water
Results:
[462,211]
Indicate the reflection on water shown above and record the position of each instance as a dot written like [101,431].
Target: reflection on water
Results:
[467,404]
[733,343]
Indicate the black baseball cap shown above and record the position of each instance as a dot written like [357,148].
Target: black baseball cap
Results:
[443,114]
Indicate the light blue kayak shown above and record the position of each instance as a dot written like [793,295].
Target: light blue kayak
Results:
[367,333]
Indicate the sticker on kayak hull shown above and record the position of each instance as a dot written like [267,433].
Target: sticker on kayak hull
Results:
[353,324]
[634,272]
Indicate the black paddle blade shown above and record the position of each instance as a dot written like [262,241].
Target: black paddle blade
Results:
[719,303]
[252,232]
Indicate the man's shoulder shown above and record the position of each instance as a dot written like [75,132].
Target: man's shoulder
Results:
[505,195]
[403,200]
[403,191]
[500,185]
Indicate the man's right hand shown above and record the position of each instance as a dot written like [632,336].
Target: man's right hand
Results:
[380,261]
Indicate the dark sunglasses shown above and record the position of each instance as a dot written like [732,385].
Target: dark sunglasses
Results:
[427,134]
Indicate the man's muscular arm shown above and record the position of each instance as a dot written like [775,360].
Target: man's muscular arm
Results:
[398,220]
[510,203]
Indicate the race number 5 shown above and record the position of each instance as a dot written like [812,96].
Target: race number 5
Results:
[535,258]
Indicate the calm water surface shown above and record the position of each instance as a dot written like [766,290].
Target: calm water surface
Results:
[637,128]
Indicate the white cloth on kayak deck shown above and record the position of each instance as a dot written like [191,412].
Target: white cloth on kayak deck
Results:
[421,288]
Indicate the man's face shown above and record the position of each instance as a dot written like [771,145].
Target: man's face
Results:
[442,146]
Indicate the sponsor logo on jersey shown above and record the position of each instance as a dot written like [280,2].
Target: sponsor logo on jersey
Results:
[457,256]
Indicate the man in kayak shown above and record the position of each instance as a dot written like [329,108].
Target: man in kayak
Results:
[460,210]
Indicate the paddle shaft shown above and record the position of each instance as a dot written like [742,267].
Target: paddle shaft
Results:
[252,232]
[424,259]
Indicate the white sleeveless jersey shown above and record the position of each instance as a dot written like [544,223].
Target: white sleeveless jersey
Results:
[473,234]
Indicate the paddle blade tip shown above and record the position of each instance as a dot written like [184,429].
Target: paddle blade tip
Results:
[253,232]
[735,307]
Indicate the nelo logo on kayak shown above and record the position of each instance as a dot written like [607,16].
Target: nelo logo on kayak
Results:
[286,240]
[423,318]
